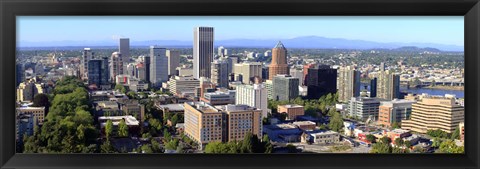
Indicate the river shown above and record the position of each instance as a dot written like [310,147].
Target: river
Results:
[457,93]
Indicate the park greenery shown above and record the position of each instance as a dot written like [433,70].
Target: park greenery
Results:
[250,144]
[68,126]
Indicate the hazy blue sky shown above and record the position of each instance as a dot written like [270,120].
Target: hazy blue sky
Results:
[432,29]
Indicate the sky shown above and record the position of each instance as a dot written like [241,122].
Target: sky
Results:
[447,30]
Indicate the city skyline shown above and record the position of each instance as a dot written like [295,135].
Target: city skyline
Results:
[392,29]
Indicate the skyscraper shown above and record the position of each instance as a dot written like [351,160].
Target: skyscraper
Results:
[305,72]
[173,61]
[285,87]
[253,95]
[321,80]
[348,83]
[279,61]
[87,55]
[98,72]
[203,38]
[220,73]
[124,49]
[116,67]
[388,85]
[159,66]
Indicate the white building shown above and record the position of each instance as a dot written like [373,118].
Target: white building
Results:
[173,61]
[158,66]
[253,95]
[182,84]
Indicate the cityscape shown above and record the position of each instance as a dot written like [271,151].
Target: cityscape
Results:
[199,94]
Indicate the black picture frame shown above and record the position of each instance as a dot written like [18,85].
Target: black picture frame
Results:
[470,9]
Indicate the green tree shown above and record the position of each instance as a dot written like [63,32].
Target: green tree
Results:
[41,100]
[166,135]
[106,147]
[385,140]
[247,145]
[108,129]
[381,148]
[336,122]
[156,146]
[122,129]
[371,138]
[456,133]
[120,88]
[146,149]
[449,146]
[398,141]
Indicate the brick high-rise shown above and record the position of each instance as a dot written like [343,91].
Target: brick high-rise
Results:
[279,61]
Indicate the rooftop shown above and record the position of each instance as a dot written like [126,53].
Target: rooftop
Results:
[173,107]
[290,106]
[279,45]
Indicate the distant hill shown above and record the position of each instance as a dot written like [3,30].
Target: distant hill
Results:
[298,42]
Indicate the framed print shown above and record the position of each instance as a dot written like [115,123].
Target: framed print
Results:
[239,84]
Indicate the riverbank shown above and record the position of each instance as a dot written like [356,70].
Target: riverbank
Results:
[445,87]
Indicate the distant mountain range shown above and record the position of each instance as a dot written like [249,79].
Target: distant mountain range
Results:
[298,42]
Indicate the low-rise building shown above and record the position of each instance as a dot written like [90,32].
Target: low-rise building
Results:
[292,110]
[305,125]
[324,137]
[219,97]
[363,107]
[283,132]
[132,123]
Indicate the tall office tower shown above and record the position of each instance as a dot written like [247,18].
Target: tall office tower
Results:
[348,83]
[86,56]
[20,74]
[124,49]
[388,85]
[279,61]
[298,73]
[285,87]
[432,113]
[248,70]
[173,61]
[98,72]
[321,80]
[253,95]
[363,108]
[240,120]
[159,66]
[116,65]
[373,87]
[305,72]
[221,51]
[202,51]
[394,111]
[220,73]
